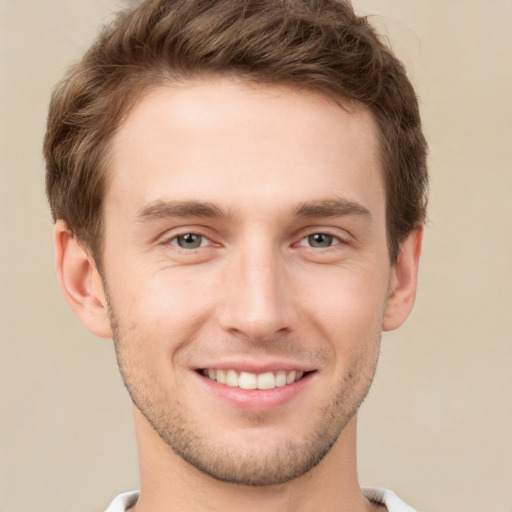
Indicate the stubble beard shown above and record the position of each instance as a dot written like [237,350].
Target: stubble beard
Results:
[229,463]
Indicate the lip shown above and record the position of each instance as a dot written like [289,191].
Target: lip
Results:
[254,366]
[255,400]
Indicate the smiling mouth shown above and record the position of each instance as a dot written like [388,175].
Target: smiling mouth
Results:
[247,380]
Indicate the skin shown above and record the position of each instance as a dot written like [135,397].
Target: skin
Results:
[284,192]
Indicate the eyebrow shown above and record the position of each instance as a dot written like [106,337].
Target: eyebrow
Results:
[330,208]
[312,209]
[165,209]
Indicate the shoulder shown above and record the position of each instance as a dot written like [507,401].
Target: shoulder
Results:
[123,502]
[387,498]
[378,495]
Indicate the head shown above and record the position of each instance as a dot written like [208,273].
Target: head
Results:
[242,185]
[320,46]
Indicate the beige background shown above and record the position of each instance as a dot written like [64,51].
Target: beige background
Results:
[437,427]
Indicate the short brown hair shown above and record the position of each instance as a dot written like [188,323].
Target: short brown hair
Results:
[320,45]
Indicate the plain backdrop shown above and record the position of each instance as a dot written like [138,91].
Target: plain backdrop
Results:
[437,426]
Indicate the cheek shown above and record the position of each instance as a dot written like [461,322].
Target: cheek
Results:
[164,306]
[347,305]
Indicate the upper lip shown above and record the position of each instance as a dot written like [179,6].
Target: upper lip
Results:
[254,366]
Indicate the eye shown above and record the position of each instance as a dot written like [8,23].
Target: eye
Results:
[189,241]
[319,240]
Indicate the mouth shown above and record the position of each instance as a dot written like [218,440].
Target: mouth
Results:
[247,380]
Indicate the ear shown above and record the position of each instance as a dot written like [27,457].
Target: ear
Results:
[403,282]
[80,282]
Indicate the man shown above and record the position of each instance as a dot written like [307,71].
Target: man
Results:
[239,191]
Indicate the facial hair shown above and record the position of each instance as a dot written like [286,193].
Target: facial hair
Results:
[227,462]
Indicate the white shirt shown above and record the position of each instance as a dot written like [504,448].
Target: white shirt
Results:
[381,496]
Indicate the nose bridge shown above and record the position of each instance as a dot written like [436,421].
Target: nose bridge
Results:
[257,299]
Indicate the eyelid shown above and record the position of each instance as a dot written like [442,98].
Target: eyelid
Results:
[341,235]
[202,244]
[336,240]
[172,234]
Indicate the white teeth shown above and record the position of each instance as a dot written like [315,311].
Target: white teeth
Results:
[280,378]
[266,381]
[291,377]
[247,380]
[232,378]
[221,376]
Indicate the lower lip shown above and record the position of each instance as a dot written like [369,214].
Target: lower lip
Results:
[256,400]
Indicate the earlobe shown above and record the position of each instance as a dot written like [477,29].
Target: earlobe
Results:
[80,282]
[403,282]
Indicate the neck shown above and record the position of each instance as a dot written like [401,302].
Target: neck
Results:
[168,483]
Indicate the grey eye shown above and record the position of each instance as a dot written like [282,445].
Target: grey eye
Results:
[189,241]
[320,240]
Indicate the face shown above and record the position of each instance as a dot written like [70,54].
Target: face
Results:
[246,270]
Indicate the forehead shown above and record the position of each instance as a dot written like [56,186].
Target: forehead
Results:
[238,143]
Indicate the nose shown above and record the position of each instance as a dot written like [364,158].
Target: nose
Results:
[257,299]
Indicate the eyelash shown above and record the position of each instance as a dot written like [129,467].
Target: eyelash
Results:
[332,239]
[175,241]
[309,239]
